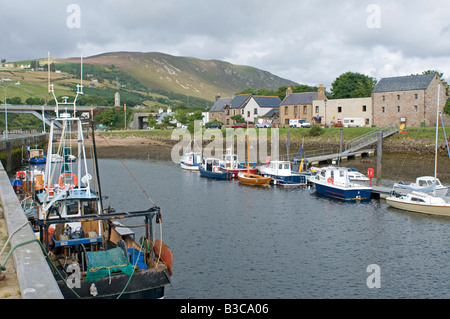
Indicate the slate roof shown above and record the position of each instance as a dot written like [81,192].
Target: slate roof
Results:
[239,101]
[299,98]
[404,83]
[272,112]
[220,104]
[267,101]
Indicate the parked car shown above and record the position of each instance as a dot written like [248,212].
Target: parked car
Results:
[214,125]
[299,123]
[243,125]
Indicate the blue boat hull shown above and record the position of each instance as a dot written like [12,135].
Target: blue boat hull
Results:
[345,194]
[37,160]
[292,180]
[216,175]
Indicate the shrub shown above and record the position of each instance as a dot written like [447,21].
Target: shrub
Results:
[316,130]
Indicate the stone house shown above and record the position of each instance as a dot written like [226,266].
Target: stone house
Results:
[299,105]
[248,105]
[326,112]
[217,110]
[410,100]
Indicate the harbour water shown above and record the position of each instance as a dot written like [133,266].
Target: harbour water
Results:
[239,242]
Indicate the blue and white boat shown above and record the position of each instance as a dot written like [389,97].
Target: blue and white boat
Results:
[191,161]
[37,156]
[191,158]
[210,167]
[282,174]
[335,182]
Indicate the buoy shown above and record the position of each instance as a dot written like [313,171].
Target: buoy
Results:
[75,180]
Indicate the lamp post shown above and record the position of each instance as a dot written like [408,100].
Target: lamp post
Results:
[6,110]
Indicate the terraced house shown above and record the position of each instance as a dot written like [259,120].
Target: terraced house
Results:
[249,106]
[408,99]
[299,105]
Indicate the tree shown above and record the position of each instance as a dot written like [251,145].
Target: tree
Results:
[238,118]
[352,85]
[447,108]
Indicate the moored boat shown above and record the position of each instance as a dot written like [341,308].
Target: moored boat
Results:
[191,161]
[254,179]
[210,167]
[334,182]
[281,173]
[37,156]
[93,256]
[230,163]
[425,184]
[420,202]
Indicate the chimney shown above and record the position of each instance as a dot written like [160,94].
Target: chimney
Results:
[321,92]
[288,91]
[217,97]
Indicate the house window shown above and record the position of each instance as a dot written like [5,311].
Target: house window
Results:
[228,112]
[234,112]
[416,108]
[242,111]
[398,108]
[286,110]
[317,109]
[416,96]
[305,109]
[248,113]
[228,121]
[398,97]
[255,111]
[384,98]
[295,109]
[364,108]
[286,121]
[339,109]
[382,109]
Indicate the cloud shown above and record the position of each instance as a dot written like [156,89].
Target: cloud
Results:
[306,41]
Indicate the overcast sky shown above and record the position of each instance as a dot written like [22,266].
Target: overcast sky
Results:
[306,41]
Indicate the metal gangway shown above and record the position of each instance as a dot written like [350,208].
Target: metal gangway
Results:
[370,138]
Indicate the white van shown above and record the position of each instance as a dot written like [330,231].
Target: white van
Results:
[354,122]
[299,123]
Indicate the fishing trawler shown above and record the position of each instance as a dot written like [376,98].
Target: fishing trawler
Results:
[92,255]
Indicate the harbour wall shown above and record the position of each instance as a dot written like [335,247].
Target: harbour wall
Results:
[13,150]
[35,278]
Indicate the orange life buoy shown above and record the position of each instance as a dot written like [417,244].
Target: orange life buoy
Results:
[20,175]
[74,177]
[330,180]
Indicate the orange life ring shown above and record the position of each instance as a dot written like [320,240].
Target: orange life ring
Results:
[330,180]
[75,180]
[20,175]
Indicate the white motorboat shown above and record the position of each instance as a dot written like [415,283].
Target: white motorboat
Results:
[425,184]
[420,202]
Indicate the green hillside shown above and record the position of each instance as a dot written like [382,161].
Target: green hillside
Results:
[151,79]
[159,73]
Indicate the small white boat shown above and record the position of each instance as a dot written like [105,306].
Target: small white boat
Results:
[425,184]
[420,202]
[281,173]
[191,158]
[191,161]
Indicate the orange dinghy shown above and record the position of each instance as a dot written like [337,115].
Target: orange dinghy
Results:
[254,179]
[164,253]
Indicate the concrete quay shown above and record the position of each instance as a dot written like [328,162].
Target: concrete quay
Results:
[36,280]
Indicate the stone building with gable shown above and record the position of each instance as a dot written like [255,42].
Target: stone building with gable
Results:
[410,100]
